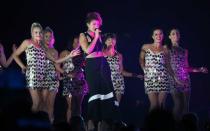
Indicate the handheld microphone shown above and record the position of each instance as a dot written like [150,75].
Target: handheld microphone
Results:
[97,29]
[99,33]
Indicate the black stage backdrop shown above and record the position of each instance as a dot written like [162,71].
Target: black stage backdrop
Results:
[133,22]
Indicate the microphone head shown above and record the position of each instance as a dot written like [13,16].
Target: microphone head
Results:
[97,29]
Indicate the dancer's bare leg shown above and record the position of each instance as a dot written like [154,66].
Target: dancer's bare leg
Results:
[51,101]
[186,101]
[35,96]
[44,101]
[153,98]
[69,109]
[162,99]
[178,99]
[118,97]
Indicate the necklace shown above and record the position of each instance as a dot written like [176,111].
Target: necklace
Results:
[36,44]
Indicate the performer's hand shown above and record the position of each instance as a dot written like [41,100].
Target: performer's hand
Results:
[60,77]
[74,53]
[70,75]
[140,76]
[203,70]
[23,70]
[14,47]
[97,33]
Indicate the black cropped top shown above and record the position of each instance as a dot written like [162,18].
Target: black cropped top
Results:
[99,45]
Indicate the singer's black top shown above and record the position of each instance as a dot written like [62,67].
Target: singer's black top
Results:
[98,47]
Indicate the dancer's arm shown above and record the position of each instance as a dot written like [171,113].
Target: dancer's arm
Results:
[57,66]
[168,63]
[72,54]
[193,69]
[142,57]
[62,55]
[10,59]
[126,73]
[197,69]
[18,52]
[2,56]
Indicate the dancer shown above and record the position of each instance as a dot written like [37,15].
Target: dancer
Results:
[74,83]
[115,60]
[51,77]
[154,60]
[35,67]
[102,104]
[181,68]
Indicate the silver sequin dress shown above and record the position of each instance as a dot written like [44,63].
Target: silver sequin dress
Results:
[156,76]
[36,64]
[116,74]
[51,81]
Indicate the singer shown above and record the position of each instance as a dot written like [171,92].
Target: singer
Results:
[102,104]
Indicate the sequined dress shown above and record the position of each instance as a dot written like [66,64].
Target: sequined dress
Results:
[50,81]
[156,76]
[36,64]
[116,74]
[179,65]
[78,84]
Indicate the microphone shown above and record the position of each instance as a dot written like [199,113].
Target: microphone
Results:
[98,29]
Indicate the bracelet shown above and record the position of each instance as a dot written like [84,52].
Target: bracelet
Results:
[195,70]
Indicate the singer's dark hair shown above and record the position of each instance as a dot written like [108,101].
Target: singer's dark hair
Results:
[93,16]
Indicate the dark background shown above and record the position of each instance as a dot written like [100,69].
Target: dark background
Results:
[133,22]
